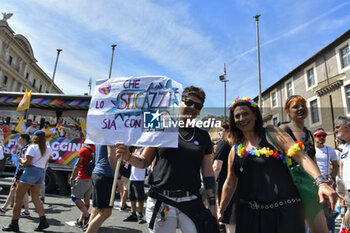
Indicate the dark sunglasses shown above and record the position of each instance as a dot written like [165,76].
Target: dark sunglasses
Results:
[320,136]
[190,102]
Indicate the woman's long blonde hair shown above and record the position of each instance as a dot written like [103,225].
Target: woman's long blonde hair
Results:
[41,142]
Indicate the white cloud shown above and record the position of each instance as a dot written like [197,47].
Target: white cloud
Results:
[156,37]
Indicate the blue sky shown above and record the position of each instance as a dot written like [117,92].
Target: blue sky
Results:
[188,41]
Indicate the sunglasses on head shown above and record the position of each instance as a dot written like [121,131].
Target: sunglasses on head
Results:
[190,102]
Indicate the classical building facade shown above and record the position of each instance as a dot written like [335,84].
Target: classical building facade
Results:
[18,66]
[323,80]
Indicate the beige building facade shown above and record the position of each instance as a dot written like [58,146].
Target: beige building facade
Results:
[18,67]
[323,80]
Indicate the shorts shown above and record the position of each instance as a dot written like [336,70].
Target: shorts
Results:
[175,218]
[137,191]
[126,182]
[82,188]
[33,175]
[101,191]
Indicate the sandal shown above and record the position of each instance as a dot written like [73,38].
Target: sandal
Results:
[25,213]
[2,210]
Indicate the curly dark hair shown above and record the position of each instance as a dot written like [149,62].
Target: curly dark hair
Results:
[235,133]
[196,91]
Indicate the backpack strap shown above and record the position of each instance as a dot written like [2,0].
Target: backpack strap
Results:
[91,151]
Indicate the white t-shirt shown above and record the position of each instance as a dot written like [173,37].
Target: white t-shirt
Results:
[137,174]
[1,153]
[324,157]
[345,158]
[38,160]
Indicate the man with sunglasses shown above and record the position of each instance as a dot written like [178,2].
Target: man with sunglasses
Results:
[326,157]
[174,199]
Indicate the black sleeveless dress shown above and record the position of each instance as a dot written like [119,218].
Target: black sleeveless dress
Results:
[266,182]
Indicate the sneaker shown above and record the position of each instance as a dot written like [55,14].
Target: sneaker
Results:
[10,227]
[42,225]
[131,218]
[25,213]
[125,208]
[142,221]
[86,223]
[78,223]
[2,210]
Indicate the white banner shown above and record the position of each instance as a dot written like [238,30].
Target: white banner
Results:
[131,109]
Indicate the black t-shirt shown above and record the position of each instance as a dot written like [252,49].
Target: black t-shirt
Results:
[179,168]
[125,169]
[222,151]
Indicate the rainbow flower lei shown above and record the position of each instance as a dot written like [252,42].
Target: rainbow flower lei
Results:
[252,103]
[265,151]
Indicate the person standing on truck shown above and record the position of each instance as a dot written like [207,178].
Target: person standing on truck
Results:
[49,131]
[81,184]
[31,129]
[25,126]
[4,131]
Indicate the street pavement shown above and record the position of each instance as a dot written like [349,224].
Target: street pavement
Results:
[61,214]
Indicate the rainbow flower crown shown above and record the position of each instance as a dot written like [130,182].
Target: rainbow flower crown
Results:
[252,103]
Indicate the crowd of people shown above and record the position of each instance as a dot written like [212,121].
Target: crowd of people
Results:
[273,179]
[30,127]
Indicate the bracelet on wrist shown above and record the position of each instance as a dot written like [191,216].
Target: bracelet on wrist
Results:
[211,200]
[320,180]
[298,146]
[326,186]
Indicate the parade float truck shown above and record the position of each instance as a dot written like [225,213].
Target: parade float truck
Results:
[53,108]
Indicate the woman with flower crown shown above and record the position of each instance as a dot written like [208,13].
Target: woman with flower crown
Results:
[268,199]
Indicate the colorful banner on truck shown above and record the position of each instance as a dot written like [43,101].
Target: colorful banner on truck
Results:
[64,151]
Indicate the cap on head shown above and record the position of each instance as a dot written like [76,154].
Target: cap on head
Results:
[2,122]
[34,123]
[320,131]
[39,133]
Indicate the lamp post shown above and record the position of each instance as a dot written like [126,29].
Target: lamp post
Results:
[110,67]
[223,79]
[258,45]
[54,71]
[89,85]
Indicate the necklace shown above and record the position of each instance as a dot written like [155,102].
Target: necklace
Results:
[265,151]
[241,164]
[188,140]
